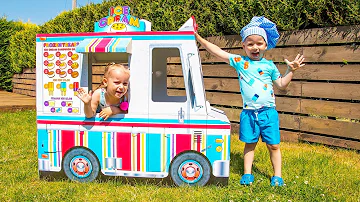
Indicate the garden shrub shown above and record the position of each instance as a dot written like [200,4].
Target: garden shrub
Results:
[8,29]
[220,17]
[22,48]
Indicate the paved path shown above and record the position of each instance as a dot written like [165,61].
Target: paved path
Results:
[13,102]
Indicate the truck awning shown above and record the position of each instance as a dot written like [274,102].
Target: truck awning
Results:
[103,45]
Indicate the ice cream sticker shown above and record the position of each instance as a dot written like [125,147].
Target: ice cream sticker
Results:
[120,20]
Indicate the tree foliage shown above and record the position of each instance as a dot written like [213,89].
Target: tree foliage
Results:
[8,29]
[220,17]
[22,48]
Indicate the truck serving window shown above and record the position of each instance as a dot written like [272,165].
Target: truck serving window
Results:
[167,76]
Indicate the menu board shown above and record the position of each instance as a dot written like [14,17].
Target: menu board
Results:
[61,78]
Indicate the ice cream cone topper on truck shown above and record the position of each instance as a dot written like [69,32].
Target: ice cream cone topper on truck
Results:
[162,134]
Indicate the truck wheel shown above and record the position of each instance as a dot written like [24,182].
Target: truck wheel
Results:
[81,165]
[190,169]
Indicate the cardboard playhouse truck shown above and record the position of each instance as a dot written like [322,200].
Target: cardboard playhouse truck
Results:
[179,137]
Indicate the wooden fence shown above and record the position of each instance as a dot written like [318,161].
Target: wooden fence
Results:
[321,104]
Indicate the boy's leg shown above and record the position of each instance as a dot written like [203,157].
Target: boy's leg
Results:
[249,151]
[275,157]
[249,133]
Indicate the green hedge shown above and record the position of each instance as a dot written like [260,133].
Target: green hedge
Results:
[220,17]
[8,29]
[214,17]
[22,48]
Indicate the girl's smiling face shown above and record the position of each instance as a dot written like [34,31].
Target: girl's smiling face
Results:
[117,82]
[254,46]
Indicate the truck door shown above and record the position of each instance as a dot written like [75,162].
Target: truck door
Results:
[169,108]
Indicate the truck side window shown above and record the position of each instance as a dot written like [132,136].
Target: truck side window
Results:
[167,76]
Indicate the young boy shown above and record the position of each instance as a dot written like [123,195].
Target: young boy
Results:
[256,78]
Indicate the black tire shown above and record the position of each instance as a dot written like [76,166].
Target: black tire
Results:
[81,165]
[190,169]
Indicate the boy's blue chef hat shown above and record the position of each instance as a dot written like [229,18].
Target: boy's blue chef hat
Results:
[263,27]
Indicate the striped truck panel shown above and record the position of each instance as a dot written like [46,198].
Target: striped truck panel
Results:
[139,151]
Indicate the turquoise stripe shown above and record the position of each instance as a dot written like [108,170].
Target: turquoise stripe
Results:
[81,47]
[153,158]
[211,145]
[95,145]
[144,37]
[121,47]
[42,139]
[55,140]
[108,144]
[168,152]
[129,120]
[228,147]
[112,45]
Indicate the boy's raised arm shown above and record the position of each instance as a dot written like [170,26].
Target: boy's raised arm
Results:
[213,49]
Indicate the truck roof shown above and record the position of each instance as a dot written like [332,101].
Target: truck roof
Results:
[115,34]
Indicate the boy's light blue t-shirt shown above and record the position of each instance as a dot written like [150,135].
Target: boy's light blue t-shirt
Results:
[256,81]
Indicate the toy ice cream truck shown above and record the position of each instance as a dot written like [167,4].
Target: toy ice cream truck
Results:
[178,137]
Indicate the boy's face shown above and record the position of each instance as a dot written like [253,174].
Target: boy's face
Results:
[254,46]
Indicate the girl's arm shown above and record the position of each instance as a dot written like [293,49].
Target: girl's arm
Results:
[112,110]
[90,100]
[90,108]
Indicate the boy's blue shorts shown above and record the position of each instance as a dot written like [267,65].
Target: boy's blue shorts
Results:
[264,122]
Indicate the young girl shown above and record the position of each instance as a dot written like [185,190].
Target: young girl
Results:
[112,98]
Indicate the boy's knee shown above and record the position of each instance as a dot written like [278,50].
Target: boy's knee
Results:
[250,145]
[273,146]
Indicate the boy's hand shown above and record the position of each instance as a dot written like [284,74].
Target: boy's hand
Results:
[105,113]
[296,64]
[84,96]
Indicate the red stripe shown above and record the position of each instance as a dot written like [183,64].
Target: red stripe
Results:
[89,50]
[138,156]
[101,46]
[183,142]
[115,34]
[81,138]
[124,149]
[153,125]
[67,140]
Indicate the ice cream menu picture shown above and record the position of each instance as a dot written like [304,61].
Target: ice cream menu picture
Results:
[61,78]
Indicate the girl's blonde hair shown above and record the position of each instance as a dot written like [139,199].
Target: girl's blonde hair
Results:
[109,67]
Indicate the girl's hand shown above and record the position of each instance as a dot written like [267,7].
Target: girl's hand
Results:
[296,64]
[84,96]
[105,113]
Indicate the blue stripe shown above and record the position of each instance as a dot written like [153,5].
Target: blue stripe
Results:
[128,120]
[114,41]
[168,153]
[55,140]
[153,158]
[109,144]
[144,37]
[211,145]
[95,145]
[81,47]
[42,139]
[122,45]
[228,147]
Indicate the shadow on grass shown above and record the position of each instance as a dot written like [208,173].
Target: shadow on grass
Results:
[132,181]
[237,165]
[60,176]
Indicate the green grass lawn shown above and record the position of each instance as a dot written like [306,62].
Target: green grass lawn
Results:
[311,173]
